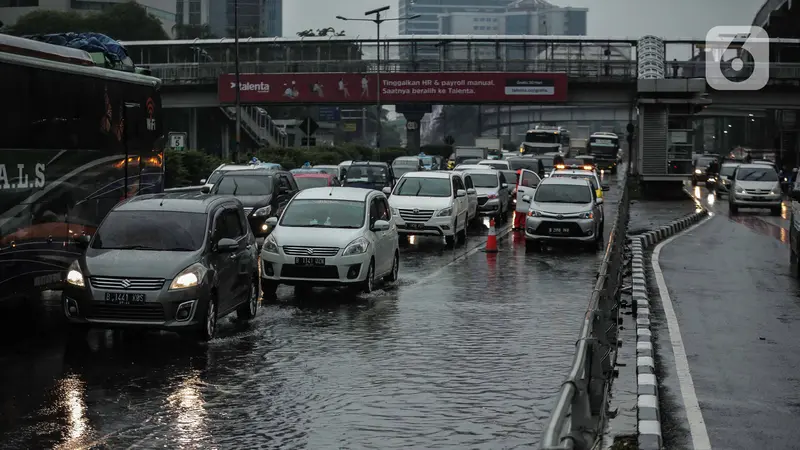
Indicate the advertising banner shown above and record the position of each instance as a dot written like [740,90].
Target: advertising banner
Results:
[412,87]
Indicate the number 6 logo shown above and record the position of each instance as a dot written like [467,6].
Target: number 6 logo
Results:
[749,69]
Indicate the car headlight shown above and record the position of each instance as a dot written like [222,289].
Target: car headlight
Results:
[395,211]
[739,190]
[357,247]
[534,213]
[726,182]
[270,244]
[74,275]
[263,212]
[776,191]
[447,212]
[189,277]
[587,215]
[698,171]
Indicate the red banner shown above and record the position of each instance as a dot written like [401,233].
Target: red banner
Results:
[413,87]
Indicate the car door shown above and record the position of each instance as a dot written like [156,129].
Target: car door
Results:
[528,182]
[385,236]
[378,236]
[285,192]
[225,264]
[472,197]
[458,203]
[463,202]
[392,238]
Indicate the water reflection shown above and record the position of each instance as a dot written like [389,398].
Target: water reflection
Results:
[697,193]
[710,199]
[72,393]
[784,236]
[784,211]
[188,406]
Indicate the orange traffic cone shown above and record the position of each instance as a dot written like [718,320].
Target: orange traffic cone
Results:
[491,240]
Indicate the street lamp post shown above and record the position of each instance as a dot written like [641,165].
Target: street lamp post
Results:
[238,87]
[378,20]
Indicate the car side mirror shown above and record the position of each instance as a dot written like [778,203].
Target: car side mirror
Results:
[461,193]
[203,181]
[504,186]
[205,189]
[272,221]
[227,245]
[526,198]
[380,225]
[599,201]
[471,191]
[387,190]
[83,240]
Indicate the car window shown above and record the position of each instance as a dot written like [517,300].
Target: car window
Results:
[756,174]
[468,182]
[529,179]
[336,182]
[502,177]
[387,208]
[374,214]
[563,193]
[498,166]
[510,176]
[458,184]
[423,187]
[382,211]
[244,185]
[484,180]
[227,225]
[215,176]
[727,171]
[161,231]
[324,214]
[284,183]
[311,182]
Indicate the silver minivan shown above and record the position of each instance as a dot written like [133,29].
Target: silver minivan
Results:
[755,186]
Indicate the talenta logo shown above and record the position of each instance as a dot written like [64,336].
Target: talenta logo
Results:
[262,88]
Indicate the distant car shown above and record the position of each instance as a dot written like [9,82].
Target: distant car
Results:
[494,192]
[340,236]
[499,164]
[330,170]
[208,183]
[263,192]
[564,210]
[432,203]
[369,175]
[405,164]
[699,174]
[723,184]
[755,186]
[177,262]
[312,180]
[527,163]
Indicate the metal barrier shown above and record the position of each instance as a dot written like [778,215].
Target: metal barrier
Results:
[578,417]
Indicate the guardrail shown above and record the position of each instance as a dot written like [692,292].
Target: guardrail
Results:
[578,417]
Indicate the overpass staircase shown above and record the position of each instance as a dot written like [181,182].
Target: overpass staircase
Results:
[259,126]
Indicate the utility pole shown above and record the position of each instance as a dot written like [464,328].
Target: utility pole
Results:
[237,145]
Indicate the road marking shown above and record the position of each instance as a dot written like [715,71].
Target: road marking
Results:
[476,249]
[697,426]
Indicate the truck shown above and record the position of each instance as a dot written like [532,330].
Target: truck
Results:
[492,144]
[604,146]
[463,153]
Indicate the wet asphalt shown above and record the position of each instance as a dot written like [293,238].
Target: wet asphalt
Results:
[738,310]
[466,350]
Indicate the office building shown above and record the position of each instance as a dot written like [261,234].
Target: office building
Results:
[12,10]
[261,18]
[429,11]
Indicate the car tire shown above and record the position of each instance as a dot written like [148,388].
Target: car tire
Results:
[208,329]
[269,291]
[461,236]
[393,275]
[249,309]
[733,209]
[368,285]
[402,240]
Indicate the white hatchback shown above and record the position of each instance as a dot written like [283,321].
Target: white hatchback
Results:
[331,236]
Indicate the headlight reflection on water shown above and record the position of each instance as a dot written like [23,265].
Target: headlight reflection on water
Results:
[187,406]
[72,393]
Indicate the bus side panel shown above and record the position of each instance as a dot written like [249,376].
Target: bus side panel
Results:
[62,165]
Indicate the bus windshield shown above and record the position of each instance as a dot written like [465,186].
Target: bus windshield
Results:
[542,137]
[604,142]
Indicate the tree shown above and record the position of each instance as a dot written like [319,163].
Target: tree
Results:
[123,21]
[183,31]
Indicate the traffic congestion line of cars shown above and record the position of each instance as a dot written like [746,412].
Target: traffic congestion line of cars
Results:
[181,261]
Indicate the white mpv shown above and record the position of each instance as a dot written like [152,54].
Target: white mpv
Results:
[331,236]
[432,203]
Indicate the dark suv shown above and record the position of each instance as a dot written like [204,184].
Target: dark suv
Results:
[370,175]
[174,262]
[263,192]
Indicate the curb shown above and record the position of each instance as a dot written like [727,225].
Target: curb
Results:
[648,411]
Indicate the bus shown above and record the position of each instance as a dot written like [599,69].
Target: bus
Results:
[75,139]
[604,147]
[542,140]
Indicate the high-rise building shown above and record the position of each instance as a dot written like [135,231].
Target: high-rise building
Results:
[532,17]
[429,11]
[12,10]
[262,18]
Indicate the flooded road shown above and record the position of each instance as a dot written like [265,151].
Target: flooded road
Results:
[467,350]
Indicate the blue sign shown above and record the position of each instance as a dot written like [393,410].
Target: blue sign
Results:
[329,114]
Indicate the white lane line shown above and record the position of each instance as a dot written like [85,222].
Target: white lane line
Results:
[464,256]
[697,426]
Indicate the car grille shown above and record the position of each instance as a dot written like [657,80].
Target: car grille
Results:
[146,312]
[324,272]
[136,284]
[482,200]
[561,216]
[310,251]
[416,215]
[544,229]
[758,191]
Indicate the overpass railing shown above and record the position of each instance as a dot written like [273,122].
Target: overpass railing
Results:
[209,72]
[697,69]
[580,410]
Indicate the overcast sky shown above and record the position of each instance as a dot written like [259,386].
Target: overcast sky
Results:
[618,18]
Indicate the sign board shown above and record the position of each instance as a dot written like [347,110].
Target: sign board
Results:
[329,114]
[308,142]
[350,127]
[396,87]
[412,125]
[309,126]
[177,141]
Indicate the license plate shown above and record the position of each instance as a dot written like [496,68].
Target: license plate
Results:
[559,230]
[415,226]
[304,261]
[124,298]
